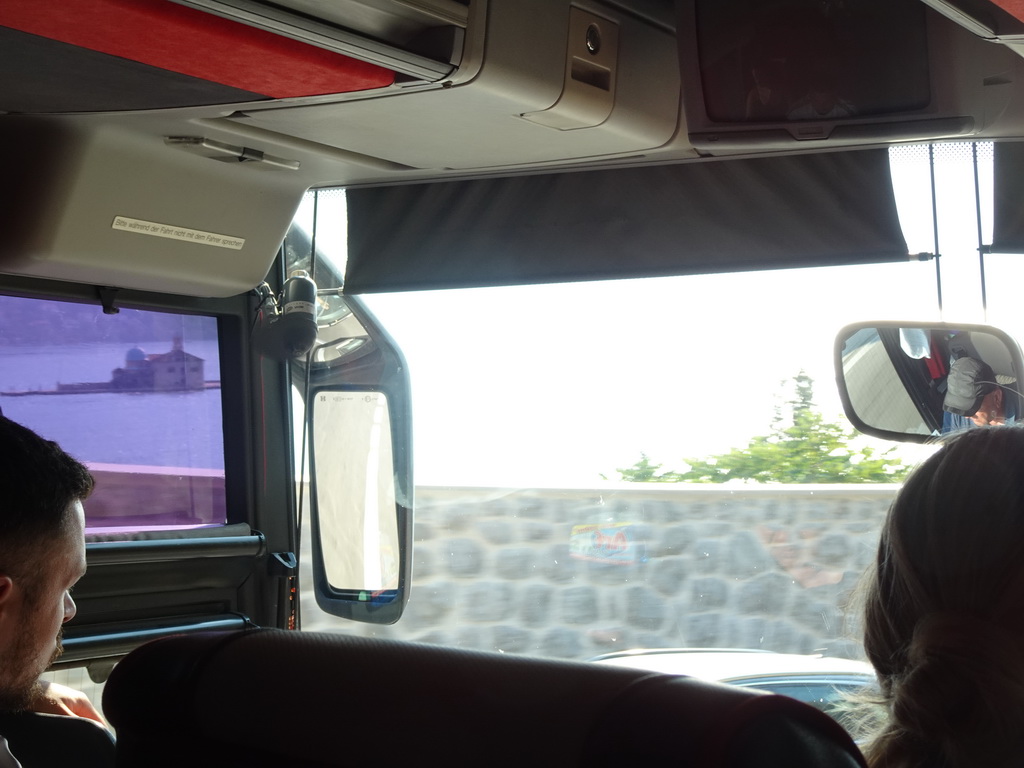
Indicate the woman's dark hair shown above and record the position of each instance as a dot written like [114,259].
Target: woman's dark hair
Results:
[38,483]
[944,612]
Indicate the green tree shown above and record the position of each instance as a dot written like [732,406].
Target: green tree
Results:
[801,447]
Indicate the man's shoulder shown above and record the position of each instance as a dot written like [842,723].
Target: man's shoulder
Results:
[45,740]
[7,760]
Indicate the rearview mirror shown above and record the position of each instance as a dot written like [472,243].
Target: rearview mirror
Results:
[913,382]
[361,486]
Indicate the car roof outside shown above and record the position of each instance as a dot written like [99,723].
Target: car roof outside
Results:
[734,665]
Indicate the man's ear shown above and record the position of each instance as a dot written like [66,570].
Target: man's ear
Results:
[6,590]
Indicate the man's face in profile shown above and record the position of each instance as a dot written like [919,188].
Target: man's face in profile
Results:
[991,412]
[32,614]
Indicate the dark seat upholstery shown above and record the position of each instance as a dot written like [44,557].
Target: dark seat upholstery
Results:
[56,741]
[276,698]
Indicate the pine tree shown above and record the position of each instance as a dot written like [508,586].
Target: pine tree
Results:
[801,447]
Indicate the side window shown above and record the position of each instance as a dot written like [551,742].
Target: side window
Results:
[112,390]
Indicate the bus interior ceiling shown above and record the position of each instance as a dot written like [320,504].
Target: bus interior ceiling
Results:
[203,118]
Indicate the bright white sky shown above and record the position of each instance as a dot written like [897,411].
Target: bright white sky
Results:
[554,385]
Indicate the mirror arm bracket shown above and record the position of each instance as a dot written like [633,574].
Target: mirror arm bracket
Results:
[282,564]
[108,296]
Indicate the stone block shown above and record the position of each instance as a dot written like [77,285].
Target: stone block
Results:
[557,513]
[535,610]
[747,555]
[496,531]
[531,510]
[423,563]
[669,574]
[663,512]
[766,594]
[465,557]
[558,565]
[811,531]
[504,507]
[611,574]
[707,593]
[696,511]
[487,601]
[645,608]
[707,554]
[676,540]
[579,605]
[422,531]
[833,549]
[515,563]
[562,643]
[622,509]
[456,517]
[703,630]
[714,529]
[534,530]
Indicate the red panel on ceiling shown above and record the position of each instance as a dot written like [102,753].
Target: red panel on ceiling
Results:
[1013,7]
[194,43]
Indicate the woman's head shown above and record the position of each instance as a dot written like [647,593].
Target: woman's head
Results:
[944,615]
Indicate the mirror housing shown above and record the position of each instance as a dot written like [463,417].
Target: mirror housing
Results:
[361,483]
[913,382]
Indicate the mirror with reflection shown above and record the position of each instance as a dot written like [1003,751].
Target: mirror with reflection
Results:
[916,381]
[355,491]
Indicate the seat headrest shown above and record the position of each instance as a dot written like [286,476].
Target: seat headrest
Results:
[271,697]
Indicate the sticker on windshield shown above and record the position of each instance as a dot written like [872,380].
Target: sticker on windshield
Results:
[619,543]
[155,229]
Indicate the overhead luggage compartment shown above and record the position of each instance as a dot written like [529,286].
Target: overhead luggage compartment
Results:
[106,55]
[537,81]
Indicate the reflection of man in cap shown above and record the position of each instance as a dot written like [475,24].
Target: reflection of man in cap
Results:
[973,391]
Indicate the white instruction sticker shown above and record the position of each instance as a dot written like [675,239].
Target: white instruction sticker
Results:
[154,229]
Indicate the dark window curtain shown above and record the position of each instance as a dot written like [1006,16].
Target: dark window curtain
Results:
[1008,197]
[691,218]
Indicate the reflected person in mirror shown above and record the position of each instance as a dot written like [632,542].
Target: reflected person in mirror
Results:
[42,556]
[943,624]
[975,395]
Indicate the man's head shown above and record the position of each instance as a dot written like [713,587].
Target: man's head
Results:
[969,381]
[42,554]
[991,411]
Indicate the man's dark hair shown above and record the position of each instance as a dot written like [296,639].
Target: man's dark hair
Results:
[38,482]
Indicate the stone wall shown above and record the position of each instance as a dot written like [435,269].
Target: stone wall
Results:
[701,566]
[575,573]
